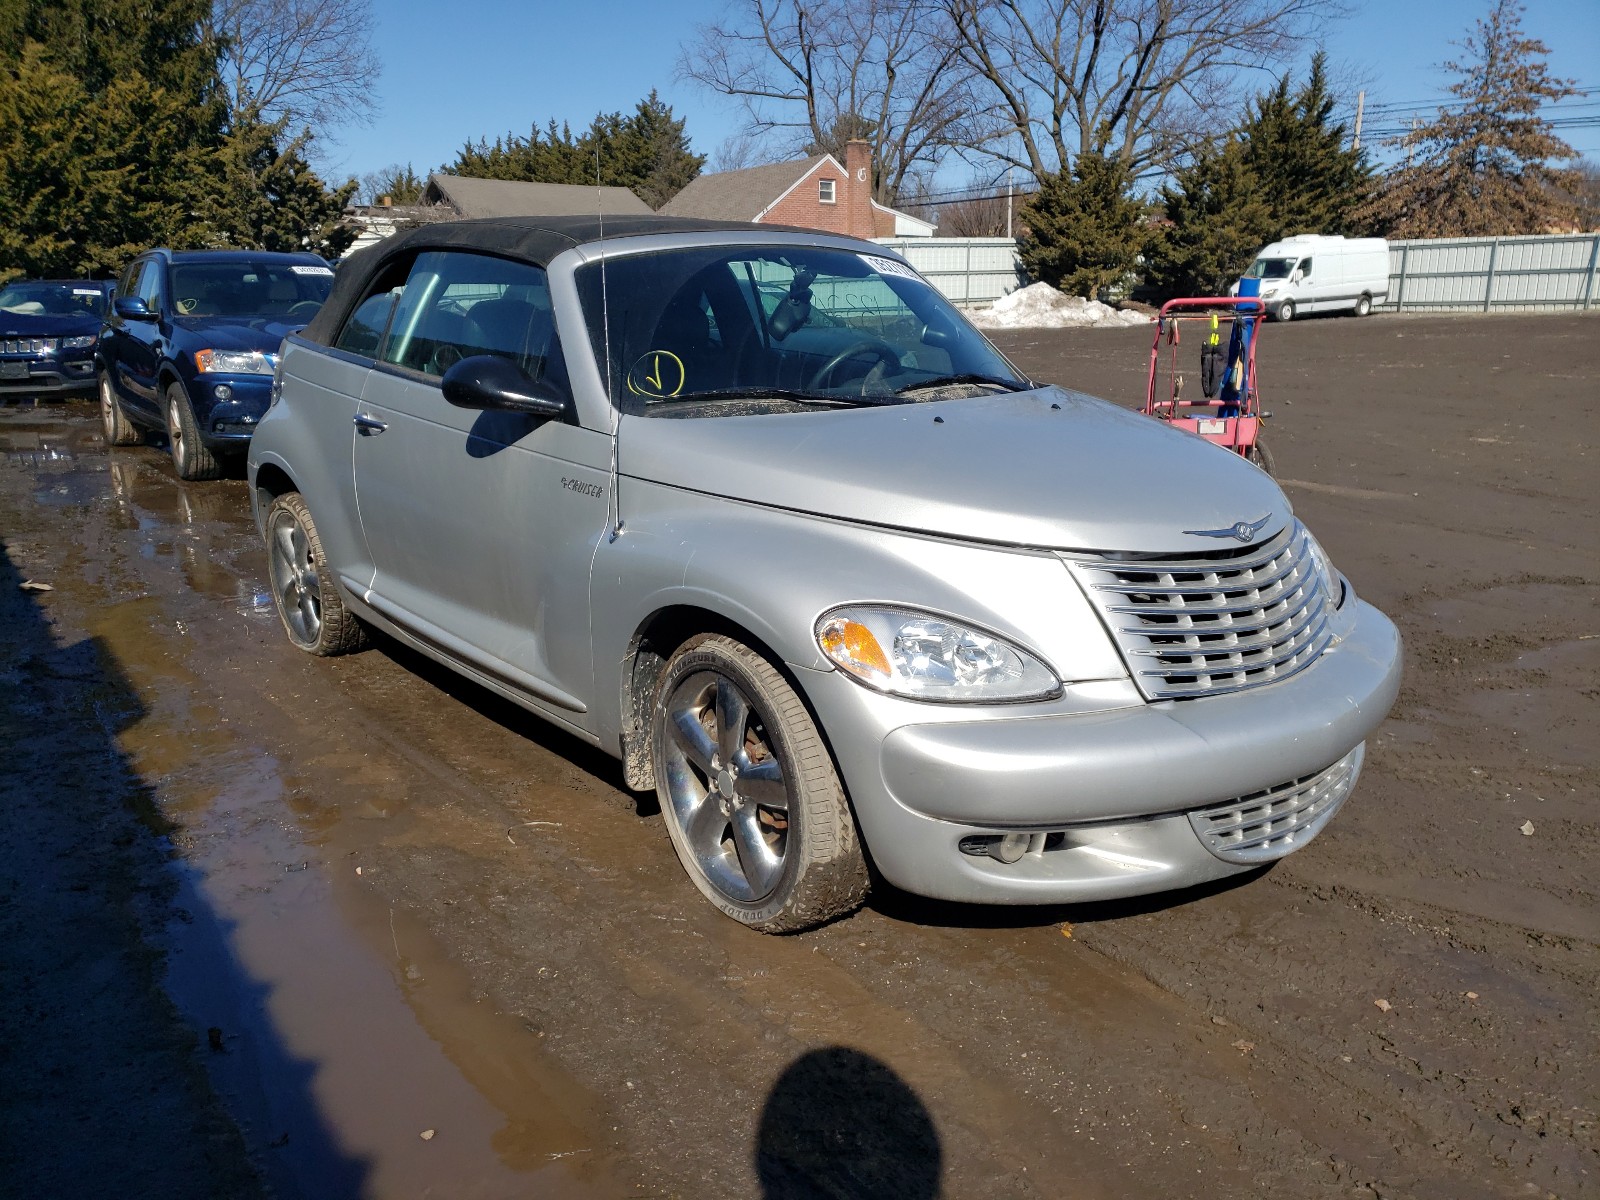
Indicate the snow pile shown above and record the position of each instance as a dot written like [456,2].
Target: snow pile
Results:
[1040,306]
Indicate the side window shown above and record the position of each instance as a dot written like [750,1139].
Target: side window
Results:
[1305,268]
[128,282]
[150,284]
[456,305]
[364,328]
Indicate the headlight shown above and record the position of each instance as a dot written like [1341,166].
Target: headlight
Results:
[79,342]
[925,657]
[1332,581]
[235,362]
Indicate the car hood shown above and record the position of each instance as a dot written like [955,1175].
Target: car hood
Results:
[1012,469]
[238,333]
[37,325]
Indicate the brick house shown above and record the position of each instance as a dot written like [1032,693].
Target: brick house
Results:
[815,193]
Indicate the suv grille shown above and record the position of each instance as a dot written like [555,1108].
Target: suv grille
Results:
[1269,824]
[1203,624]
[26,345]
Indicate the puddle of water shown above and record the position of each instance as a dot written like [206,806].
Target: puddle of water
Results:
[342,1031]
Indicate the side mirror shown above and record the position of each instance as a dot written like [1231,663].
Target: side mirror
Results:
[132,308]
[940,331]
[487,381]
[1296,277]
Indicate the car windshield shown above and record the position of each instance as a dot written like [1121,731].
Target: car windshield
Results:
[712,331]
[250,289]
[1270,268]
[65,299]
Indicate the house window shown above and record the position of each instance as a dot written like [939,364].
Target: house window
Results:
[825,191]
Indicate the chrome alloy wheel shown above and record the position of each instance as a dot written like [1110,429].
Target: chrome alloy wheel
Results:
[175,429]
[293,568]
[726,786]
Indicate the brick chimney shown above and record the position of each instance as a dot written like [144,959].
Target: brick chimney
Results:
[858,188]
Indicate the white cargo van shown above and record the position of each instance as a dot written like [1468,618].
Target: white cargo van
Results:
[1312,272]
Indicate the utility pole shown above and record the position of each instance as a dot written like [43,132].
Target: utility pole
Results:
[1008,202]
[1361,104]
[1411,142]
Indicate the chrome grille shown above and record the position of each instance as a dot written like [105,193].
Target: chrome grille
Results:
[26,345]
[1203,624]
[1269,824]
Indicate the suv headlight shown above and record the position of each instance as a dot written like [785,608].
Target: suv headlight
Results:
[235,362]
[79,341]
[925,657]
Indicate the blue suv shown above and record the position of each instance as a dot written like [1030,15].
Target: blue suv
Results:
[48,331]
[191,343]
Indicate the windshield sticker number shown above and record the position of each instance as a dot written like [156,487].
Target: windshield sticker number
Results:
[658,375]
[887,266]
[299,270]
[85,291]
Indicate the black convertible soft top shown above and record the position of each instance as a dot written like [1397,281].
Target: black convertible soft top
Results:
[533,240]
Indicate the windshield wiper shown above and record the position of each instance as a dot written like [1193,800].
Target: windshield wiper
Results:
[758,393]
[1010,385]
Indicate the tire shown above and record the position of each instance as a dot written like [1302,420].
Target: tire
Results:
[119,431]
[1285,311]
[1364,306]
[190,456]
[1262,457]
[784,855]
[308,601]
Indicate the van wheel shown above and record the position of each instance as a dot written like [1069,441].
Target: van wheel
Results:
[190,457]
[751,799]
[308,600]
[1364,306]
[119,430]
[1285,311]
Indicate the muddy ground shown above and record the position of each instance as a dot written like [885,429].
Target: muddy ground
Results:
[272,925]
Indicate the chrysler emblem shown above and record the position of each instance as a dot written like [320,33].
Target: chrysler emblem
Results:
[1244,531]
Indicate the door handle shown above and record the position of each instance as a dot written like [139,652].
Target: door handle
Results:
[369,426]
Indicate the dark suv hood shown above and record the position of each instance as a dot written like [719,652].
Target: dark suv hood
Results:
[237,333]
[37,325]
[1009,469]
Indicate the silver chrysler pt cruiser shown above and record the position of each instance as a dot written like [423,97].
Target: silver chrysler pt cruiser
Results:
[758,512]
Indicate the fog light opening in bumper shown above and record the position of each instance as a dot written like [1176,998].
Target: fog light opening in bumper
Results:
[1007,848]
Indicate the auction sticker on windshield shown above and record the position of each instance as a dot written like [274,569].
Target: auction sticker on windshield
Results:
[887,266]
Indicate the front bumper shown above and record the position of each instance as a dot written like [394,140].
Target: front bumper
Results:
[46,376]
[1108,795]
[228,408]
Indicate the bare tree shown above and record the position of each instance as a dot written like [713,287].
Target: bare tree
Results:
[817,72]
[303,62]
[1138,80]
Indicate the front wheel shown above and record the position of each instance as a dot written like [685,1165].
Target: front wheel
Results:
[308,600]
[118,429]
[190,456]
[1285,311]
[751,799]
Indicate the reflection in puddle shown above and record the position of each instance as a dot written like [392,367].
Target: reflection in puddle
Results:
[340,1030]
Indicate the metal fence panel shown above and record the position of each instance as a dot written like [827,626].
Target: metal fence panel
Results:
[966,270]
[1543,273]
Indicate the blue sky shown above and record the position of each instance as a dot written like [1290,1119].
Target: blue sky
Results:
[492,66]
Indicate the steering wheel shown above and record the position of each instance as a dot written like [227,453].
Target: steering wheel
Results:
[887,360]
[305,308]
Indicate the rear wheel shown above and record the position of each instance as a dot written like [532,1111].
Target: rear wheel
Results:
[119,430]
[1262,457]
[313,613]
[751,800]
[190,456]
[1363,306]
[1285,311]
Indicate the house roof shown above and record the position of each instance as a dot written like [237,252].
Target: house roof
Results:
[739,195]
[513,198]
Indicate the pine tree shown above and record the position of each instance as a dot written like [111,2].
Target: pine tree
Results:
[1285,170]
[1085,230]
[1482,167]
[1217,218]
[647,152]
[271,199]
